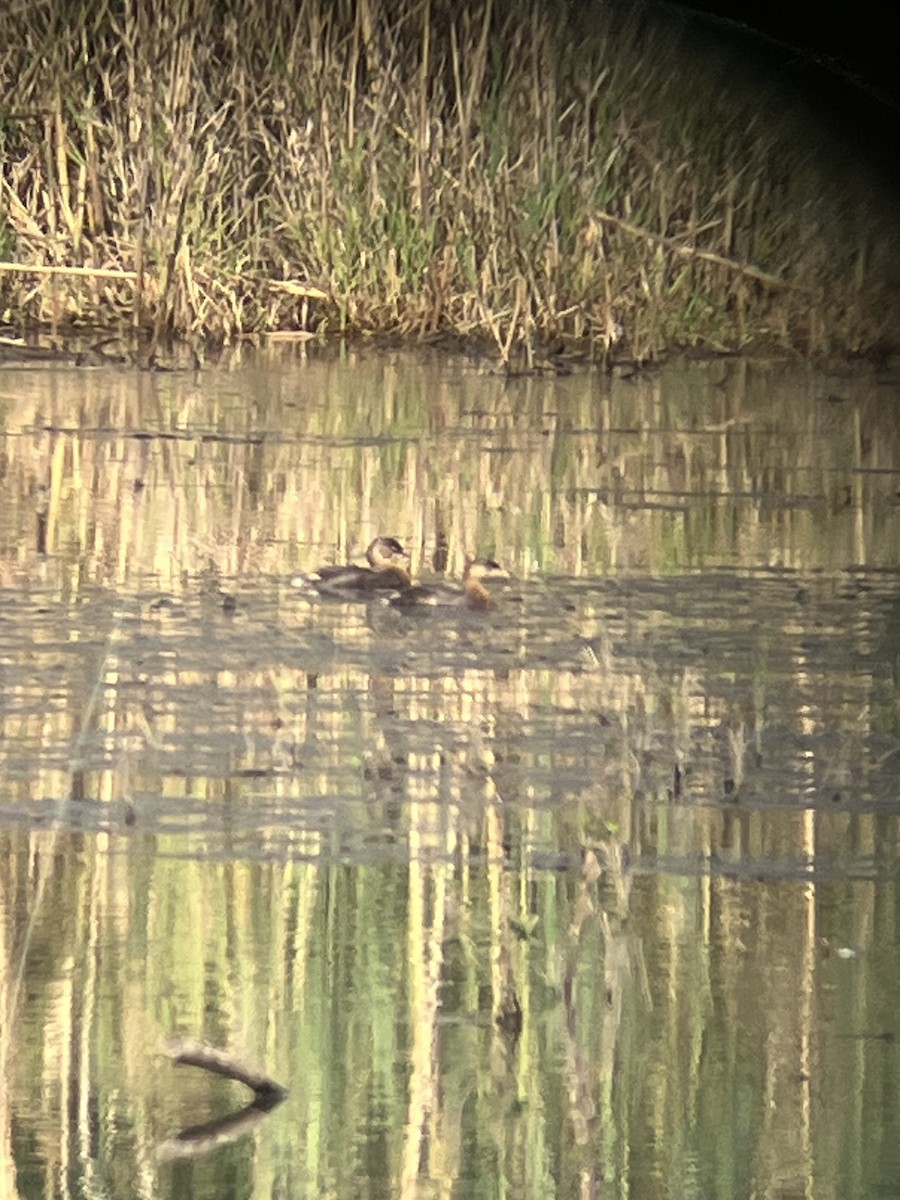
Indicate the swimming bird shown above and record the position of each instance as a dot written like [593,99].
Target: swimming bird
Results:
[473,594]
[387,570]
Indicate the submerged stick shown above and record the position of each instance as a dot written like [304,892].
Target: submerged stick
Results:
[191,1053]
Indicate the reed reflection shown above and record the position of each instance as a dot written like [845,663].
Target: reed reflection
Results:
[521,900]
[256,472]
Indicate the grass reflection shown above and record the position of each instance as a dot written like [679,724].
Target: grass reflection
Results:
[258,473]
[657,1013]
[593,889]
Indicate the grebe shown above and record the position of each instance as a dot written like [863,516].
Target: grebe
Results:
[388,570]
[472,594]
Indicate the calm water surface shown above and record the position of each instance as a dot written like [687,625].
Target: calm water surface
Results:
[595,893]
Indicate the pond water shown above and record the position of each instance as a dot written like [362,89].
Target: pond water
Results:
[592,893]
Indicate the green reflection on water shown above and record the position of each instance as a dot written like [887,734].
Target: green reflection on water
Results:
[678,1035]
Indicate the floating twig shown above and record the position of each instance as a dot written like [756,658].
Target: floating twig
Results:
[192,1053]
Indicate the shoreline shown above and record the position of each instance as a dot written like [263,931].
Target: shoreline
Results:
[99,346]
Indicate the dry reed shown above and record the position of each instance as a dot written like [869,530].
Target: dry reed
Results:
[533,174]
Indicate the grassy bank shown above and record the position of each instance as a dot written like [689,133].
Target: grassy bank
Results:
[518,171]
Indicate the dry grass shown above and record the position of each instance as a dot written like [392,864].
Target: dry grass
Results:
[512,171]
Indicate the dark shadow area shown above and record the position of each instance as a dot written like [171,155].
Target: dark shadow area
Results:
[840,60]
